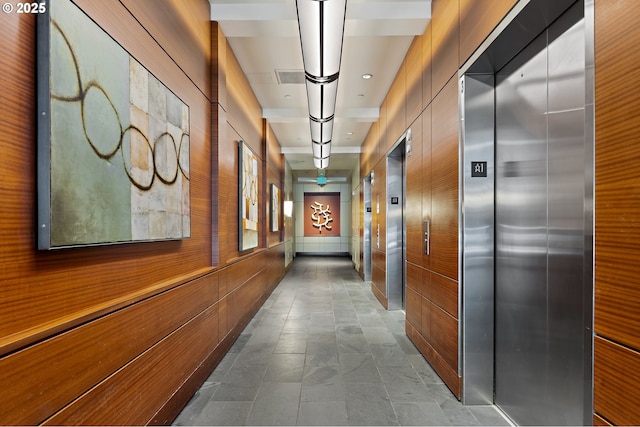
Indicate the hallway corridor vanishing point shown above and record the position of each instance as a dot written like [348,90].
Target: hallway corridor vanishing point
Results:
[323,351]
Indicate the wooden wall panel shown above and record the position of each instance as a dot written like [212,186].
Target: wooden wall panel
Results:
[477,20]
[414,309]
[396,109]
[244,111]
[444,293]
[413,204]
[617,307]
[414,277]
[427,177]
[192,51]
[599,421]
[444,196]
[444,336]
[413,76]
[124,398]
[444,42]
[426,320]
[617,208]
[427,67]
[616,374]
[38,377]
[448,375]
[378,285]
[414,171]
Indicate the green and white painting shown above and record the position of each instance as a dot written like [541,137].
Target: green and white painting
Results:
[113,141]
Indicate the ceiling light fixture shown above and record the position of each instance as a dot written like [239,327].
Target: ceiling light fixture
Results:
[321,25]
[367,76]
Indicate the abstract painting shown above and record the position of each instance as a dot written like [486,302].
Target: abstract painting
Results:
[248,197]
[113,141]
[275,208]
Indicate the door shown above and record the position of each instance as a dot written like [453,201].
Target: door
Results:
[395,226]
[367,228]
[540,197]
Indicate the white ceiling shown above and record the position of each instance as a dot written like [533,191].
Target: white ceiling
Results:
[264,37]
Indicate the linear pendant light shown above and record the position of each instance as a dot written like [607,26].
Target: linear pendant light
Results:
[321,25]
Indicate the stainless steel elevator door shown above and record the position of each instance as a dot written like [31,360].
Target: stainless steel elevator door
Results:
[540,197]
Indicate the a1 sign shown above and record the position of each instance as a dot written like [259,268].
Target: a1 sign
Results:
[478,169]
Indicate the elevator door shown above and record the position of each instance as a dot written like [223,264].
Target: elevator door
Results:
[540,197]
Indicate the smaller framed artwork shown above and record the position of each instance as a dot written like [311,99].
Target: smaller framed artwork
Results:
[275,208]
[247,197]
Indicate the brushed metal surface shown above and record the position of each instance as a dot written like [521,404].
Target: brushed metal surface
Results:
[521,235]
[368,210]
[395,276]
[566,189]
[477,131]
[540,229]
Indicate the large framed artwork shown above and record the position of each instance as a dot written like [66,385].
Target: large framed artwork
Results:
[321,214]
[275,208]
[113,141]
[248,197]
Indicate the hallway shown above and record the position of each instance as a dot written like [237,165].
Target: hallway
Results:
[323,351]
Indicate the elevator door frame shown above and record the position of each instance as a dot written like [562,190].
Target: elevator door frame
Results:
[525,21]
[368,230]
[395,274]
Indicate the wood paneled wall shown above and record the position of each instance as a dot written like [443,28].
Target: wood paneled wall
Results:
[424,96]
[617,213]
[125,334]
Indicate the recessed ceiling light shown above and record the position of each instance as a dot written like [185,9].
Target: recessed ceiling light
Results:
[349,133]
[287,96]
[367,76]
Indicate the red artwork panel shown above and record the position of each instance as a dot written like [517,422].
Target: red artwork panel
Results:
[321,214]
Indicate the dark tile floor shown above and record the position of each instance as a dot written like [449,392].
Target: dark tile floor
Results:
[323,351]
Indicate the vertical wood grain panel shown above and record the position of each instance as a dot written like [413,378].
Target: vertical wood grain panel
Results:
[477,20]
[413,207]
[426,319]
[414,278]
[413,76]
[616,374]
[427,177]
[192,51]
[244,110]
[395,111]
[414,309]
[444,42]
[444,196]
[427,67]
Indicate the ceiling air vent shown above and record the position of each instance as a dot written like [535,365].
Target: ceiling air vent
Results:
[290,77]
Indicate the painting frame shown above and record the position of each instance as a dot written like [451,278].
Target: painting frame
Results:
[322,214]
[275,208]
[248,198]
[113,165]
